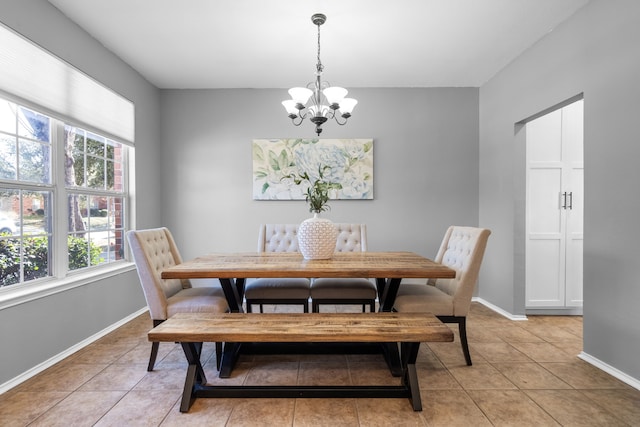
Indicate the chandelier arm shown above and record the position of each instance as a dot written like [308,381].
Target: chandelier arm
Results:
[335,116]
[293,120]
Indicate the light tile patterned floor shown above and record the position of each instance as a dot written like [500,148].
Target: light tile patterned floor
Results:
[524,374]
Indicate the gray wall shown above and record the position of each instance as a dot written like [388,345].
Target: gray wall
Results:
[425,165]
[595,53]
[35,331]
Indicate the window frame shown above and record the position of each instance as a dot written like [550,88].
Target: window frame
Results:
[62,278]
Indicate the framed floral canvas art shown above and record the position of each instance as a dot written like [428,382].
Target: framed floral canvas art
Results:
[348,162]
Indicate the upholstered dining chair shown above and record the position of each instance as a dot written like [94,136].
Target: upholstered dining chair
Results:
[287,291]
[462,249]
[351,238]
[154,250]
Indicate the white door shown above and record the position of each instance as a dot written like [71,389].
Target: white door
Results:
[554,209]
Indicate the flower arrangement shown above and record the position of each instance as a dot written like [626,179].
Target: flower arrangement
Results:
[317,194]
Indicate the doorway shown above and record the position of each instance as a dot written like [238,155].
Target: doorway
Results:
[554,196]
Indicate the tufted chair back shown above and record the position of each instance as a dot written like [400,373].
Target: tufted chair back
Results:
[462,249]
[274,290]
[351,237]
[154,250]
[278,238]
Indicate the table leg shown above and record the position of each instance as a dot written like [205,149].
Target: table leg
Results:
[392,357]
[389,294]
[229,358]
[381,284]
[240,282]
[232,295]
[387,291]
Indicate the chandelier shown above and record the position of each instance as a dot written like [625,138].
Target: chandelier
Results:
[325,101]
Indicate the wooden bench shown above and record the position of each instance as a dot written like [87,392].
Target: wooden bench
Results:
[408,329]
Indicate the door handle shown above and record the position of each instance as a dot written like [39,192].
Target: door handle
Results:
[564,200]
[570,200]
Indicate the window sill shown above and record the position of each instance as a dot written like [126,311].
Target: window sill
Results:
[19,294]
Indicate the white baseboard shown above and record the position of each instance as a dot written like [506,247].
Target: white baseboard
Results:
[66,353]
[574,311]
[633,382]
[516,317]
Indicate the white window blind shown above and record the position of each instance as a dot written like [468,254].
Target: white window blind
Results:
[35,75]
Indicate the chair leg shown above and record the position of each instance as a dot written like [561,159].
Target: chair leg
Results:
[154,354]
[462,328]
[154,348]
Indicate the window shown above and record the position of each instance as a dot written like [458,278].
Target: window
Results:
[62,187]
[95,185]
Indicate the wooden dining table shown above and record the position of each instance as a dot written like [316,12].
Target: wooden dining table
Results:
[233,269]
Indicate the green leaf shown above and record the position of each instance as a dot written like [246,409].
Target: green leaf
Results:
[368,146]
[258,154]
[273,161]
[283,160]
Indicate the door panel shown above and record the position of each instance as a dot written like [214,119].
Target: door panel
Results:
[573,282]
[575,215]
[545,273]
[543,210]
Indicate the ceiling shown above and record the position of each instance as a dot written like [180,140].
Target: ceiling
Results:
[273,43]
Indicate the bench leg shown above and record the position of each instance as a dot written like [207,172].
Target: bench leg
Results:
[411,381]
[188,393]
[409,355]
[196,384]
[195,374]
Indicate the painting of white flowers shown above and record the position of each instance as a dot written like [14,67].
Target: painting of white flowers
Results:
[347,162]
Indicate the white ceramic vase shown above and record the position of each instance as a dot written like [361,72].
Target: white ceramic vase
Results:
[317,238]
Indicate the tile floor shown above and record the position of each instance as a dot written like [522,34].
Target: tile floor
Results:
[524,374]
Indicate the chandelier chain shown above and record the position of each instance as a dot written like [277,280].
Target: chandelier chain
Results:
[319,66]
